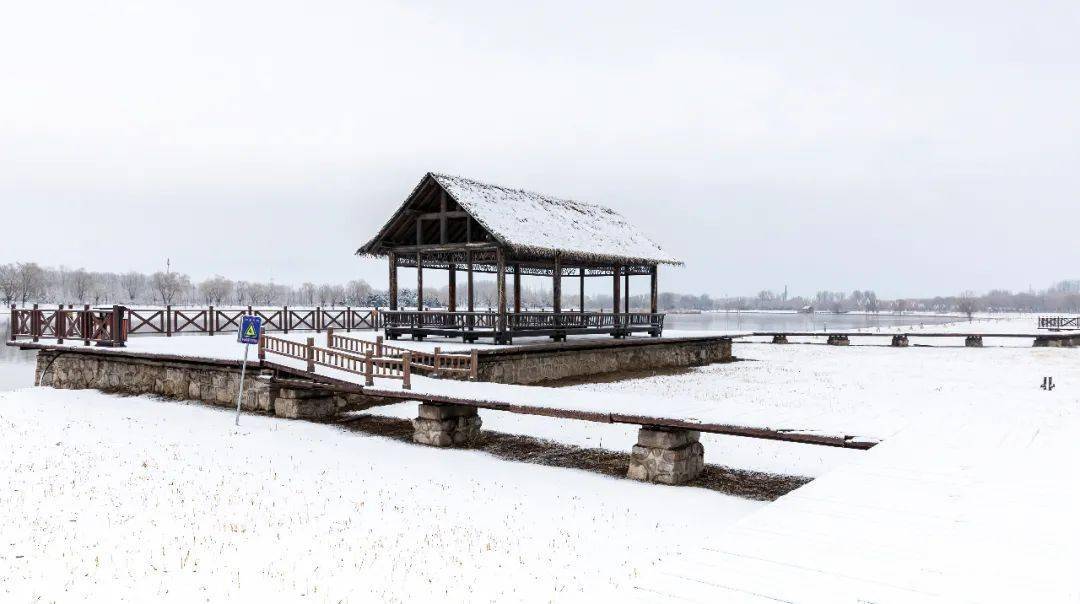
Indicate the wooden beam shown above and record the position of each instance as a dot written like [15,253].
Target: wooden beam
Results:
[469,280]
[500,280]
[439,215]
[653,288]
[438,247]
[442,217]
[556,286]
[626,293]
[581,289]
[517,288]
[419,283]
[451,304]
[615,290]
[393,280]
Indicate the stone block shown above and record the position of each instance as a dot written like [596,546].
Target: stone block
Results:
[304,408]
[446,425]
[900,340]
[666,456]
[973,341]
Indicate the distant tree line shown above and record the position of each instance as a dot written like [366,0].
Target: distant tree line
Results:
[25,283]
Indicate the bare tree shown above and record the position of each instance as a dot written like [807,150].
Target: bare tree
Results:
[307,293]
[133,284]
[168,286]
[215,289]
[30,281]
[9,283]
[967,303]
[357,292]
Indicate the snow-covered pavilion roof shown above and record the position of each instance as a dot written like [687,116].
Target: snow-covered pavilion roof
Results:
[534,223]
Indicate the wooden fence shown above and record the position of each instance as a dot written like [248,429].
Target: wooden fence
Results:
[434,364]
[367,365]
[1059,322]
[97,325]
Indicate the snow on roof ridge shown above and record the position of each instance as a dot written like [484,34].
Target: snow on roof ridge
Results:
[473,181]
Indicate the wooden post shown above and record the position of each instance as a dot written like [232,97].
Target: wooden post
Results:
[210,319]
[118,325]
[451,286]
[469,279]
[13,323]
[329,337]
[517,289]
[35,323]
[369,370]
[473,365]
[626,292]
[500,281]
[58,325]
[310,355]
[317,319]
[406,360]
[378,346]
[581,289]
[87,324]
[168,320]
[653,288]
[262,347]
[348,319]
[285,318]
[393,280]
[615,298]
[435,363]
[556,285]
[419,283]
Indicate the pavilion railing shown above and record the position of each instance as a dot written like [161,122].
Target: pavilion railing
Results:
[523,321]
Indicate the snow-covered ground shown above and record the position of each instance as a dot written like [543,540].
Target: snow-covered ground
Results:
[108,499]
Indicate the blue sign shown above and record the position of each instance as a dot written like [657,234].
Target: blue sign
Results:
[250,328]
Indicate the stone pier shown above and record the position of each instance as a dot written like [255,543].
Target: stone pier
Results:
[838,340]
[779,339]
[666,456]
[446,425]
[900,340]
[973,341]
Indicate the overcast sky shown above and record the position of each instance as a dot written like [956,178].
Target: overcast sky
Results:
[911,148]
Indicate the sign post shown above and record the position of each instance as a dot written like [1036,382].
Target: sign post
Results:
[250,330]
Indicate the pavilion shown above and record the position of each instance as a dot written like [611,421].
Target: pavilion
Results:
[457,224]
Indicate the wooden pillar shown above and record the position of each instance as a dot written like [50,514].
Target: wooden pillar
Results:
[500,281]
[653,288]
[468,280]
[626,292]
[419,283]
[451,304]
[517,288]
[581,288]
[556,285]
[393,281]
[615,298]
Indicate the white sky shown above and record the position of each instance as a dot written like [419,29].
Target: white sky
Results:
[913,148]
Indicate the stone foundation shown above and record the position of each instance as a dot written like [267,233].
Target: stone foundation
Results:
[446,425]
[838,341]
[973,341]
[208,381]
[900,340]
[666,456]
[546,362]
[779,339]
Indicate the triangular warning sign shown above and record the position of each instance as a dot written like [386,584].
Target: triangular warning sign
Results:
[250,333]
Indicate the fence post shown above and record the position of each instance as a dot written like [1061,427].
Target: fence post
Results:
[87,325]
[35,323]
[348,319]
[406,381]
[59,325]
[168,320]
[369,370]
[311,355]
[435,363]
[378,346]
[118,325]
[262,347]
[329,337]
[285,318]
[13,322]
[317,319]
[210,319]
[473,365]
